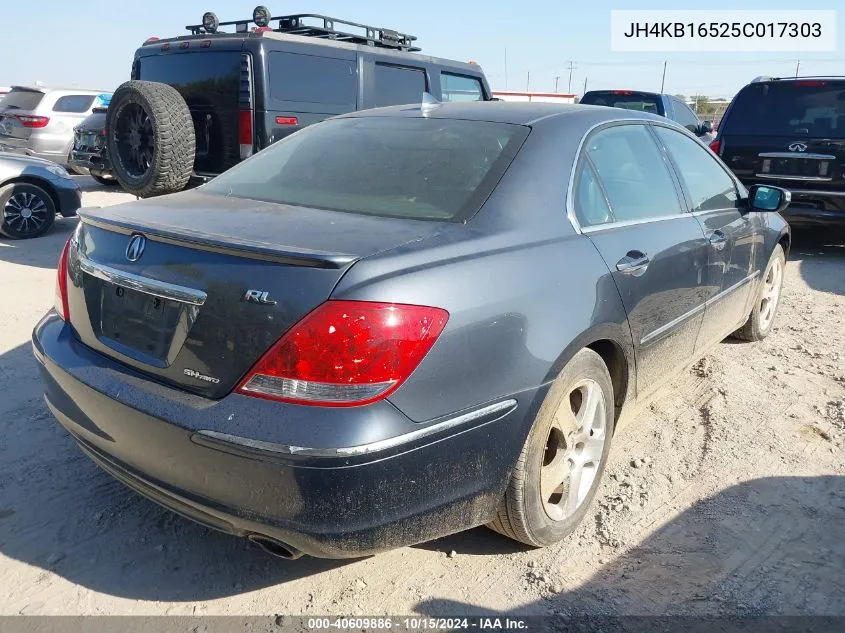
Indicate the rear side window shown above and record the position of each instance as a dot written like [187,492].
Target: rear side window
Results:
[460,88]
[634,175]
[623,99]
[788,108]
[418,168]
[590,204]
[73,103]
[685,116]
[398,86]
[708,185]
[309,79]
[21,99]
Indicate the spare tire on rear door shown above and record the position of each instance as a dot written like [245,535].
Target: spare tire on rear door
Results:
[150,138]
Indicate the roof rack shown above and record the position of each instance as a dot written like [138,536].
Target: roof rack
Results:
[325,29]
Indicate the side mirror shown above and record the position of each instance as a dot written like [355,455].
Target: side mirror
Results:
[706,127]
[768,199]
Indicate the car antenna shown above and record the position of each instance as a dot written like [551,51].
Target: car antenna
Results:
[429,103]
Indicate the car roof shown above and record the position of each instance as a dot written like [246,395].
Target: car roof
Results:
[45,90]
[510,112]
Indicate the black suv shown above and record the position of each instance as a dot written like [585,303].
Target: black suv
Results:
[665,105]
[791,133]
[200,103]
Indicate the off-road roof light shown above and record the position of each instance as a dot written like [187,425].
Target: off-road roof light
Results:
[210,22]
[261,16]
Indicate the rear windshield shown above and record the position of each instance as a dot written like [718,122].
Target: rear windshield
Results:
[639,102]
[207,79]
[788,108]
[21,99]
[420,168]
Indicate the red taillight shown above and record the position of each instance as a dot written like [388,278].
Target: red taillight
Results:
[33,121]
[346,353]
[60,302]
[151,39]
[287,120]
[811,83]
[245,133]
[621,92]
[262,29]
[715,144]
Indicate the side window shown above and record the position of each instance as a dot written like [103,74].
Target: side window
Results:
[590,205]
[310,79]
[398,86]
[634,173]
[460,88]
[73,103]
[708,184]
[685,116]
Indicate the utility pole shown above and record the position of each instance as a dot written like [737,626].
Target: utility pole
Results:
[506,67]
[571,67]
[528,82]
[663,81]
[797,66]
[585,87]
[557,78]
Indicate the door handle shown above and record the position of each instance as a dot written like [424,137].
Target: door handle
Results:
[718,240]
[634,263]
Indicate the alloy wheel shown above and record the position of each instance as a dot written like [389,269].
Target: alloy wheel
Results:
[574,450]
[771,294]
[25,213]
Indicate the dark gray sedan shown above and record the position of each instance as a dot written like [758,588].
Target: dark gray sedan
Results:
[32,192]
[402,323]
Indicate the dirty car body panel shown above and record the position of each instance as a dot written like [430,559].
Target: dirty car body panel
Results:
[525,286]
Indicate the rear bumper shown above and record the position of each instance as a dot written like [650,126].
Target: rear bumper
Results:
[70,197]
[94,162]
[324,502]
[812,207]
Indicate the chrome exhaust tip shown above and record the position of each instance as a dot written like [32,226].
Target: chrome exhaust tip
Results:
[274,547]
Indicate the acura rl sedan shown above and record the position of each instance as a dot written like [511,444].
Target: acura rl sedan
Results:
[405,322]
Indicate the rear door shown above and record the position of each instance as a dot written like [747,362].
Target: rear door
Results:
[628,203]
[209,81]
[733,233]
[787,133]
[390,82]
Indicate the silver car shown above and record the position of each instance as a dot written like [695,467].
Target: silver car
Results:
[32,192]
[39,121]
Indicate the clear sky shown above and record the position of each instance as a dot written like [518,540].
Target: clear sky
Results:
[90,43]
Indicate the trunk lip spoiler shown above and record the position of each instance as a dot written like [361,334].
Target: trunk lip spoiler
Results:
[229,245]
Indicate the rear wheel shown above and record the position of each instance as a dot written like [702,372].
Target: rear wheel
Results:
[559,470]
[762,318]
[28,211]
[150,138]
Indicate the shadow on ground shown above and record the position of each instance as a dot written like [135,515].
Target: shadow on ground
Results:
[822,259]
[40,252]
[773,546]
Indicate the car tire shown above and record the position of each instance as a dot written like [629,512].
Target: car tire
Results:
[565,442]
[150,138]
[107,182]
[762,318]
[28,211]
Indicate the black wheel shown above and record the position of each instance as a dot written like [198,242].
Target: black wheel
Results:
[560,466]
[108,182]
[28,211]
[150,138]
[762,318]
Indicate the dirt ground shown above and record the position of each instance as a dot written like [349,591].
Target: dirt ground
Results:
[725,496]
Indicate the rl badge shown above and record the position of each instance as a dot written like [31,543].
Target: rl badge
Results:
[258,296]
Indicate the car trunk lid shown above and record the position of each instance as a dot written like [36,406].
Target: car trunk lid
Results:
[218,281]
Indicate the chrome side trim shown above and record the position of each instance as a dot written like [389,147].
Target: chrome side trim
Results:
[664,329]
[801,178]
[503,408]
[597,228]
[146,285]
[797,155]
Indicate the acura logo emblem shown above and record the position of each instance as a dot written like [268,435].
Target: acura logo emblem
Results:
[135,248]
[797,147]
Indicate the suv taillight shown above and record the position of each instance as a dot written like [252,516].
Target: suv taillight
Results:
[60,301]
[715,144]
[245,133]
[33,121]
[346,353]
